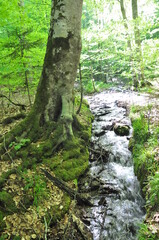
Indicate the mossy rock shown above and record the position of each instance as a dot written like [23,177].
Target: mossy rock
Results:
[121,130]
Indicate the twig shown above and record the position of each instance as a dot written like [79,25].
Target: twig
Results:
[46,228]
[23,106]
[7,152]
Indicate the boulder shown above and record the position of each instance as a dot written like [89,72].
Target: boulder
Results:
[121,130]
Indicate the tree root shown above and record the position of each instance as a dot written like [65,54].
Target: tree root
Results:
[9,120]
[23,106]
[64,187]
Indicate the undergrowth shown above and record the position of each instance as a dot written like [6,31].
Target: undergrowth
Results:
[144,146]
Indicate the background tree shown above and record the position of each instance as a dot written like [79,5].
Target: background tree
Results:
[137,40]
[23,35]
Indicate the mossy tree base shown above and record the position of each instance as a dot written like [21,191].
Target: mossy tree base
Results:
[67,160]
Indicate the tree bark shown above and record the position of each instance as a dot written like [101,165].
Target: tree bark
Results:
[81,87]
[133,72]
[137,39]
[54,98]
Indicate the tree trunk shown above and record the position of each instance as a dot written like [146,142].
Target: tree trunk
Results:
[54,97]
[137,39]
[133,72]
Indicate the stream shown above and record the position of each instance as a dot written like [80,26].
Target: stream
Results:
[115,192]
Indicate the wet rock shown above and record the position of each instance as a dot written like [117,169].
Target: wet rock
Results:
[124,105]
[121,104]
[95,185]
[106,189]
[121,130]
[102,201]
[108,127]
[99,133]
[102,112]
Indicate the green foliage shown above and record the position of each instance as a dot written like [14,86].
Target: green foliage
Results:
[4,237]
[24,30]
[145,233]
[75,181]
[7,203]
[153,199]
[38,187]
[140,127]
[18,145]
[146,166]
[105,53]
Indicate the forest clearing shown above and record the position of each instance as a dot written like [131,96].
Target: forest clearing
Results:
[79,120]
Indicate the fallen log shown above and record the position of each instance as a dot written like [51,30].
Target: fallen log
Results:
[81,200]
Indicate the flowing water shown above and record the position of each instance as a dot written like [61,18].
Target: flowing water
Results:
[115,191]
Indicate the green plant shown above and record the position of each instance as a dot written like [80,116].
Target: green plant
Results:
[18,145]
[75,181]
[36,186]
[145,233]
[140,127]
[153,200]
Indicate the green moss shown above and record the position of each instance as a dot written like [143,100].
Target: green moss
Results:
[70,172]
[71,154]
[121,130]
[5,176]
[2,223]
[86,135]
[4,237]
[6,202]
[131,144]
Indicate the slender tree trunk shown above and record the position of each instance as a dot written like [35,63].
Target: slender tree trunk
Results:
[137,39]
[92,79]
[22,40]
[27,86]
[133,72]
